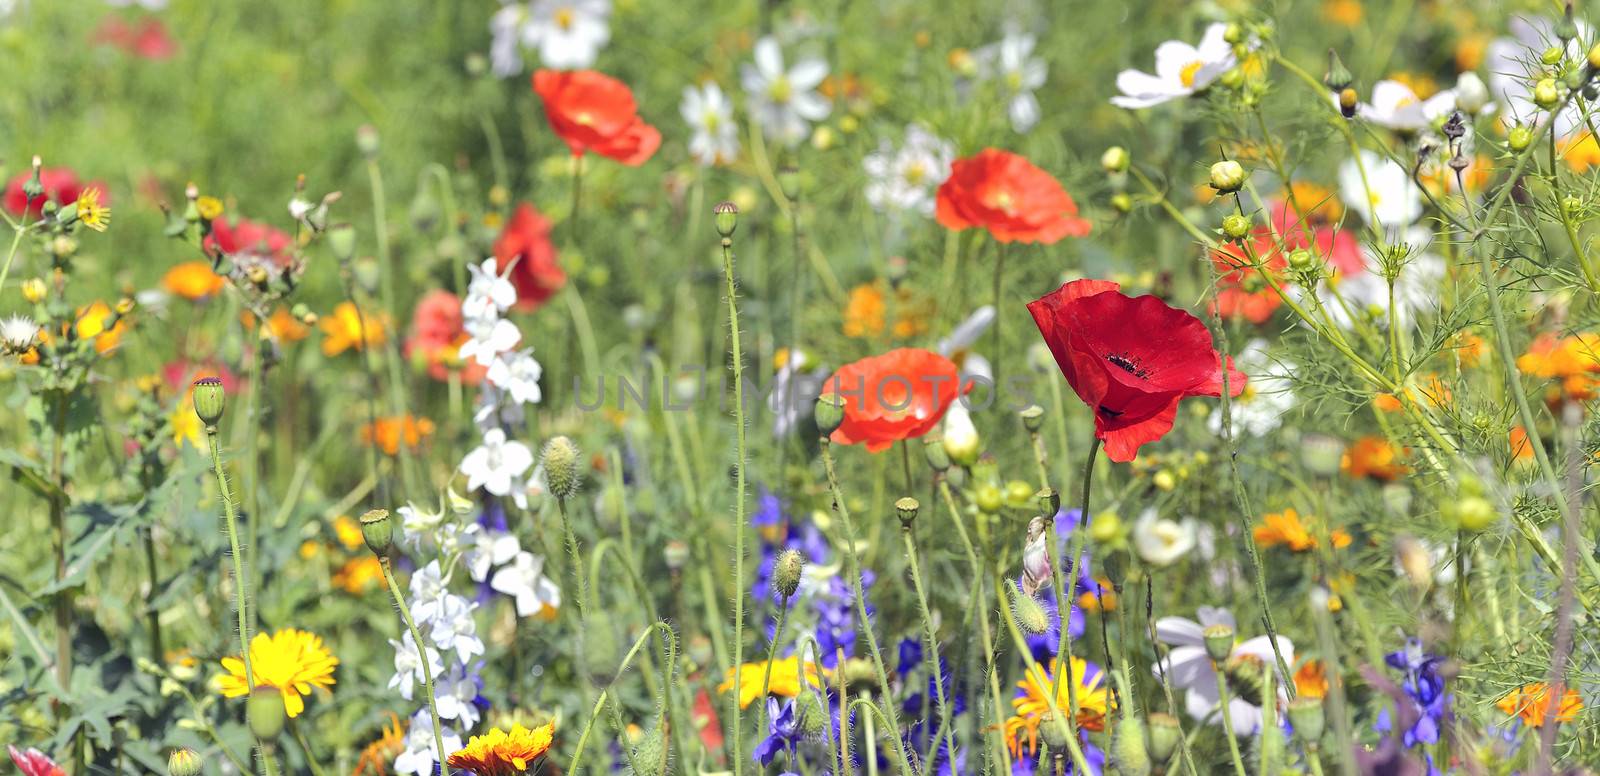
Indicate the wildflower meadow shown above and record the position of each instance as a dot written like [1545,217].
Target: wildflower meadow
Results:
[798,387]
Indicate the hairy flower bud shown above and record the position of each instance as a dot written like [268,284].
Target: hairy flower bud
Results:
[786,571]
[378,531]
[1165,733]
[1219,642]
[34,290]
[265,712]
[1236,226]
[726,216]
[209,399]
[1128,751]
[1115,159]
[1227,176]
[1305,714]
[184,762]
[1028,613]
[561,467]
[828,413]
[651,755]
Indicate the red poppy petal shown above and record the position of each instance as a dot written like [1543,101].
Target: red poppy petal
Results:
[1122,444]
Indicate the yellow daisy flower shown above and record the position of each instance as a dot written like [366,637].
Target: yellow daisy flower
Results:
[93,214]
[498,753]
[1032,704]
[293,661]
[785,681]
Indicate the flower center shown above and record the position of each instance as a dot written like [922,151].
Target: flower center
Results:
[1128,364]
[564,18]
[1000,200]
[1186,75]
[915,173]
[584,119]
[1014,80]
[711,120]
[779,90]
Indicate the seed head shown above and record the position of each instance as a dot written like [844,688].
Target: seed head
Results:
[829,413]
[726,215]
[1219,642]
[1305,714]
[209,399]
[378,530]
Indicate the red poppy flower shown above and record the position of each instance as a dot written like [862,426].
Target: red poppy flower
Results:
[898,395]
[149,40]
[437,332]
[61,186]
[34,762]
[248,237]
[595,112]
[1131,359]
[1005,194]
[526,241]
[1242,292]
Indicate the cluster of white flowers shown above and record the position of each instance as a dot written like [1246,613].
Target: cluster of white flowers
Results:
[566,34]
[904,179]
[784,101]
[1011,63]
[499,465]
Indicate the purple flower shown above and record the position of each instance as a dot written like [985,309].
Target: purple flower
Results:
[1424,687]
[783,731]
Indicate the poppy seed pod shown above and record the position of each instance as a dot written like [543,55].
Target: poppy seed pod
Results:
[1028,613]
[266,713]
[906,508]
[1305,714]
[561,467]
[1219,642]
[184,762]
[1227,176]
[1054,735]
[676,554]
[789,182]
[1165,733]
[342,241]
[367,140]
[1032,418]
[209,399]
[378,531]
[786,571]
[1049,500]
[829,413]
[727,218]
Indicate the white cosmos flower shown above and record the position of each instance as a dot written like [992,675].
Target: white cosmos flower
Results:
[505,45]
[1366,294]
[518,375]
[710,113]
[1012,63]
[905,180]
[524,580]
[1387,194]
[1396,106]
[496,464]
[1514,66]
[408,674]
[1267,396]
[17,333]
[784,101]
[568,33]
[1181,70]
[420,755]
[1163,542]
[1191,670]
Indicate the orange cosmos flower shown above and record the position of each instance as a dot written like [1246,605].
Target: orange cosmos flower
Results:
[1531,702]
[1311,679]
[375,758]
[359,575]
[1284,528]
[1374,457]
[390,432]
[1573,360]
[193,280]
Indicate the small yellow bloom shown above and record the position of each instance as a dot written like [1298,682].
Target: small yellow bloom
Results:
[93,214]
[348,531]
[292,661]
[92,325]
[186,426]
[785,680]
[209,208]
[498,753]
[344,329]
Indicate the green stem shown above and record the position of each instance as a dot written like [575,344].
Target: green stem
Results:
[933,647]
[737,366]
[422,651]
[583,739]
[397,386]
[1063,603]
[1227,720]
[240,594]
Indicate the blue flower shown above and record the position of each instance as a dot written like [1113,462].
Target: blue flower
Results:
[783,731]
[1425,688]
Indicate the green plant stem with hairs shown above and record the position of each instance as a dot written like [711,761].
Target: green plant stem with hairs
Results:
[241,595]
[978,575]
[943,730]
[422,650]
[1227,719]
[853,568]
[772,649]
[305,746]
[599,704]
[269,760]
[397,385]
[1064,644]
[737,366]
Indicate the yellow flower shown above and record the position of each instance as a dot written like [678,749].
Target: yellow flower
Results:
[209,208]
[866,312]
[359,575]
[375,758]
[186,426]
[348,531]
[344,329]
[1032,705]
[1286,529]
[92,325]
[192,280]
[93,214]
[497,752]
[785,681]
[293,661]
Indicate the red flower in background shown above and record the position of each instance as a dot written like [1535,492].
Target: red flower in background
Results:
[1243,293]
[1005,194]
[898,395]
[1131,359]
[526,241]
[181,374]
[594,112]
[61,186]
[34,763]
[437,331]
[248,237]
[148,40]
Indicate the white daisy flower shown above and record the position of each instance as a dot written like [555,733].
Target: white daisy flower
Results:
[1395,106]
[1191,669]
[1163,542]
[1181,70]
[710,113]
[568,33]
[505,46]
[905,180]
[783,101]
[17,333]
[1011,62]
[1267,397]
[1387,194]
[496,464]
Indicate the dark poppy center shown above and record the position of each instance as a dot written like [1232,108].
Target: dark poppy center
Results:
[1128,364]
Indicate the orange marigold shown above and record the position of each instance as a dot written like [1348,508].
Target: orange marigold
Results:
[498,753]
[1374,457]
[1285,528]
[1531,702]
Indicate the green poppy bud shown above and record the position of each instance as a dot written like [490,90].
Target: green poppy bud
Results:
[1227,176]
[1028,613]
[1049,500]
[342,241]
[378,530]
[1128,751]
[561,467]
[266,713]
[209,399]
[809,715]
[933,450]
[1219,642]
[788,183]
[183,762]
[727,218]
[1165,733]
[650,753]
[1236,226]
[786,572]
[1305,714]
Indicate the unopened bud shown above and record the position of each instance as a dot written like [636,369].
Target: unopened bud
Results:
[829,413]
[1227,176]
[1128,751]
[1307,718]
[933,450]
[1519,138]
[1122,203]
[34,290]
[367,140]
[342,241]
[1165,733]
[1236,226]
[1546,94]
[561,467]
[788,183]
[1115,159]
[1338,77]
[183,762]
[1028,613]
[786,572]
[1348,99]
[676,554]
[265,712]
[1302,260]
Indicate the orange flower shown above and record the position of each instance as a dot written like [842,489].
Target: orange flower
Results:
[899,395]
[1581,153]
[866,312]
[1470,348]
[1531,702]
[344,329]
[282,326]
[1345,13]
[591,111]
[498,753]
[193,280]
[1311,679]
[1284,528]
[1521,451]
[375,758]
[1009,197]
[1374,457]
[359,575]
[1573,360]
[390,432]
